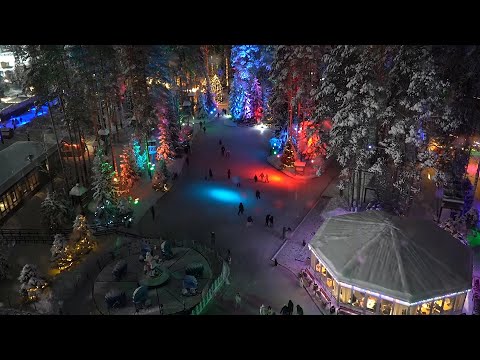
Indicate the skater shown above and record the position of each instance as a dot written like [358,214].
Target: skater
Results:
[228,173]
[290,307]
[28,136]
[210,174]
[269,310]
[263,310]
[238,183]
[267,219]
[275,262]
[255,178]
[227,154]
[238,300]
[271,221]
[160,308]
[187,160]
[249,220]
[299,310]
[223,150]
[152,210]
[284,310]
[262,176]
[212,238]
[201,124]
[204,130]
[266,178]
[257,194]
[240,209]
[224,112]
[220,142]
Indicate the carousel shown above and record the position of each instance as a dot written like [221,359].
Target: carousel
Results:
[374,263]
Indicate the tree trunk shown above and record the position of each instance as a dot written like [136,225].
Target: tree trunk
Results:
[58,146]
[70,138]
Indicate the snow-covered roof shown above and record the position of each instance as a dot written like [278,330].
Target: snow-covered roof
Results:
[14,162]
[407,259]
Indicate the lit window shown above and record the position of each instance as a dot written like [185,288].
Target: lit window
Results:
[372,303]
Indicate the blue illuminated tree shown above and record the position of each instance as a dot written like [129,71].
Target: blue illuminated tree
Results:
[140,156]
[237,99]
[256,99]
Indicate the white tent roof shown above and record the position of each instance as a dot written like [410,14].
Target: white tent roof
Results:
[407,259]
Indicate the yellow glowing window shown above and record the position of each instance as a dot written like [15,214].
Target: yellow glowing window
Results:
[318,267]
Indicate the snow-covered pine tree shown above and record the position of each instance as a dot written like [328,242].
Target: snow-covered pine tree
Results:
[128,175]
[31,283]
[139,155]
[163,150]
[257,100]
[217,88]
[248,107]
[82,239]
[55,212]
[237,98]
[60,253]
[288,156]
[104,189]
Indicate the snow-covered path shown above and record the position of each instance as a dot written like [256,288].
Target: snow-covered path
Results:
[195,207]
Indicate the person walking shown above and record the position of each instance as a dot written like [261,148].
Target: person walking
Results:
[223,150]
[228,173]
[275,262]
[152,210]
[299,310]
[241,209]
[257,194]
[263,310]
[262,176]
[267,219]
[201,124]
[220,142]
[160,309]
[238,300]
[284,310]
[271,221]
[238,183]
[255,178]
[266,178]
[290,307]
[210,173]
[269,310]
[212,239]
[204,130]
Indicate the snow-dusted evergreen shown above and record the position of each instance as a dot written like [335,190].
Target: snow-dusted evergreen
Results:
[59,247]
[380,98]
[140,156]
[102,182]
[55,211]
[31,283]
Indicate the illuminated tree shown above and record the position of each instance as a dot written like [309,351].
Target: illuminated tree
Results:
[105,187]
[237,99]
[257,100]
[163,150]
[248,108]
[31,283]
[60,251]
[161,175]
[82,239]
[128,175]
[309,141]
[139,155]
[217,88]
[288,156]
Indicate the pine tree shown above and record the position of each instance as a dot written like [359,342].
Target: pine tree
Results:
[161,176]
[139,155]
[60,251]
[247,108]
[31,283]
[163,150]
[217,88]
[237,98]
[128,175]
[288,156]
[82,240]
[257,100]
[103,184]
[55,211]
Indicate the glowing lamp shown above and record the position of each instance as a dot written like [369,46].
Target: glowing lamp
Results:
[428,175]
[312,161]
[136,201]
[278,155]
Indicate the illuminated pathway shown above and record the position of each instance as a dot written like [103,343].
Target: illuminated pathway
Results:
[195,207]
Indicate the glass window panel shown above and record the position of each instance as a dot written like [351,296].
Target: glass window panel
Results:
[386,307]
[372,302]
[323,271]
[335,290]
[329,281]
[3,208]
[460,299]
[314,261]
[358,299]
[448,304]
[345,294]
[424,309]
[437,307]
[400,309]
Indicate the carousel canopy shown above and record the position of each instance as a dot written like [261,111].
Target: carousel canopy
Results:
[408,259]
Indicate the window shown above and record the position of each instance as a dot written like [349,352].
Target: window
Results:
[422,309]
[386,307]
[372,302]
[335,290]
[345,294]
[400,309]
[3,208]
[329,281]
[358,299]
[437,307]
[460,299]
[448,304]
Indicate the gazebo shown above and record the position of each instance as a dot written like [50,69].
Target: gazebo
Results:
[374,263]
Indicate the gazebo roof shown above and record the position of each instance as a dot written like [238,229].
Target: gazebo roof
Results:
[408,259]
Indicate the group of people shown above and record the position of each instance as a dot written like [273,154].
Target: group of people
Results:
[266,310]
[263,178]
[223,150]
[288,309]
